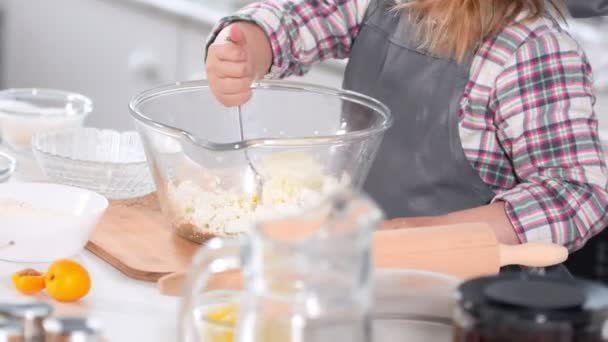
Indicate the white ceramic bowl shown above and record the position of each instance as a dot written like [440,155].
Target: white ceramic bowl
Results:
[105,161]
[25,112]
[42,222]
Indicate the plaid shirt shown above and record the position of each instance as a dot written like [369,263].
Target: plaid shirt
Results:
[526,118]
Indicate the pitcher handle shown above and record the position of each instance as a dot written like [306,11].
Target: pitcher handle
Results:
[217,256]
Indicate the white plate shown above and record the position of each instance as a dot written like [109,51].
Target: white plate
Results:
[65,219]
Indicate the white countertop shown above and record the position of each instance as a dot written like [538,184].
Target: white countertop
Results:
[128,310]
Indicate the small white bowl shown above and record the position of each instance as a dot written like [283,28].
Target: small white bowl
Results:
[108,162]
[43,222]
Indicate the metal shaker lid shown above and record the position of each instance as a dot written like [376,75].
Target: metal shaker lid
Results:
[28,310]
[85,329]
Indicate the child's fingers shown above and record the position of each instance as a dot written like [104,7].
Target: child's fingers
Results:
[228,52]
[231,69]
[234,100]
[230,91]
[234,86]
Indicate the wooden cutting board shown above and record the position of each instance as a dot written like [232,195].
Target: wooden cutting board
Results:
[134,237]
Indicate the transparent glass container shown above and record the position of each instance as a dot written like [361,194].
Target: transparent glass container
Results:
[109,162]
[408,305]
[306,278]
[304,142]
[25,112]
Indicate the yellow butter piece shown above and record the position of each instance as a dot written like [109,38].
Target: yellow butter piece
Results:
[225,314]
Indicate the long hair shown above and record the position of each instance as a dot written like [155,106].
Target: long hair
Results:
[452,28]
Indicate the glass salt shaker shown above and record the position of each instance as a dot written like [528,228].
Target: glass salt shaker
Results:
[11,331]
[71,329]
[31,315]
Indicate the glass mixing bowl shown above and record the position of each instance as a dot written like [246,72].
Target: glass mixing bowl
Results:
[299,143]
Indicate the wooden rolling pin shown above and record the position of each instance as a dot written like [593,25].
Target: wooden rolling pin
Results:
[463,250]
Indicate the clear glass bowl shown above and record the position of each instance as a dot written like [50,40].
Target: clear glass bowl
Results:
[7,166]
[304,141]
[25,112]
[105,161]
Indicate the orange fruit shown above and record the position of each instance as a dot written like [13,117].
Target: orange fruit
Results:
[67,281]
[28,281]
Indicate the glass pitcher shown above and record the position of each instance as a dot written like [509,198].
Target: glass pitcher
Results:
[306,278]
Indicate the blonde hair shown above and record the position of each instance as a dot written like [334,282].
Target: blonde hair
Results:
[452,28]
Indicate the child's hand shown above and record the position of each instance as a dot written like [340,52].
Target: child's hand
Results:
[230,67]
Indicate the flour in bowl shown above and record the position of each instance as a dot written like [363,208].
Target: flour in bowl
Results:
[13,208]
[292,182]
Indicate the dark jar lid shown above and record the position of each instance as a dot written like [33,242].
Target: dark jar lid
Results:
[532,301]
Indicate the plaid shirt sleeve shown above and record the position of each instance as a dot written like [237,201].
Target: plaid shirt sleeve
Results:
[302,32]
[543,106]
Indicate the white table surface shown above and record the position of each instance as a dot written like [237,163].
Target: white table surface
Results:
[128,310]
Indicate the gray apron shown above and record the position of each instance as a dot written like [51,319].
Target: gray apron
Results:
[587,8]
[420,168]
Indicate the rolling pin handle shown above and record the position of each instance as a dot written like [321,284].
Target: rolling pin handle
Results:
[532,254]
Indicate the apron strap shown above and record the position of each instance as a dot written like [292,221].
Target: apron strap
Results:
[372,8]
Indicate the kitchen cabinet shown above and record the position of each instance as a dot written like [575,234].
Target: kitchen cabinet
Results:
[190,63]
[107,50]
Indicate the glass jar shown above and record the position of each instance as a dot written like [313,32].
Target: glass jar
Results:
[509,308]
